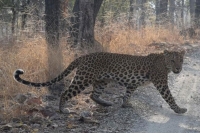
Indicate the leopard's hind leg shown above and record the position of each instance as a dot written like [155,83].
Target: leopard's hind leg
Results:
[98,87]
[78,84]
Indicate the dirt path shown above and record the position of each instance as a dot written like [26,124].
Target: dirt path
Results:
[186,90]
[150,113]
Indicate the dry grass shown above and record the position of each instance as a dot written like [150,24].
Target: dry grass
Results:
[31,55]
[21,55]
[123,39]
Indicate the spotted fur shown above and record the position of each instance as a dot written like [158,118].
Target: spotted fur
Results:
[98,69]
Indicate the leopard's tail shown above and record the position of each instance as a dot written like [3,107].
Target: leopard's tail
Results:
[67,71]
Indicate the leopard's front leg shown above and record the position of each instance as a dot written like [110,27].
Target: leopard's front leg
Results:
[167,96]
[129,91]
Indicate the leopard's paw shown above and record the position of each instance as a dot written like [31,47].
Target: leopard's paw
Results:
[180,110]
[127,105]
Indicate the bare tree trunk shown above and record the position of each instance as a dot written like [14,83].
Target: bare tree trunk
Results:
[102,19]
[131,10]
[14,12]
[25,3]
[83,22]
[36,7]
[182,13]
[171,11]
[64,14]
[52,11]
[157,10]
[14,15]
[197,14]
[192,12]
[52,22]
[143,9]
[163,11]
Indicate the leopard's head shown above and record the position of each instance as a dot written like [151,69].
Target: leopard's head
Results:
[174,60]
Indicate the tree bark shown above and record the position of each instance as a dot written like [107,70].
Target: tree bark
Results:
[197,14]
[192,11]
[52,11]
[142,16]
[14,15]
[102,19]
[64,14]
[25,3]
[131,8]
[131,12]
[83,22]
[171,11]
[163,11]
[182,12]
[157,10]
[52,21]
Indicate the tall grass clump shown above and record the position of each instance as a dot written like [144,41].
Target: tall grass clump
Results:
[31,55]
[124,39]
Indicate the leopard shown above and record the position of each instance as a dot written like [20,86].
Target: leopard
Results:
[130,71]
